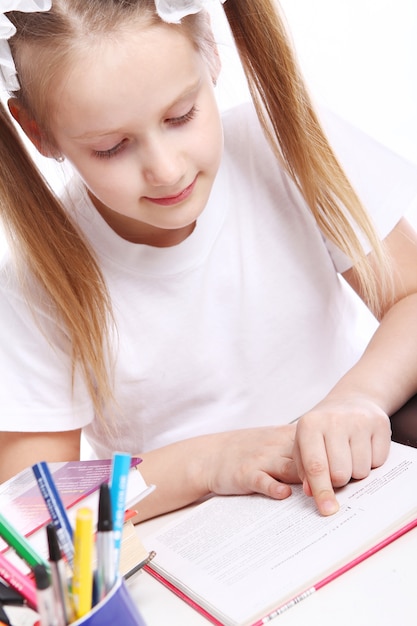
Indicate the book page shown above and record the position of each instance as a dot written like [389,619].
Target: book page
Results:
[245,555]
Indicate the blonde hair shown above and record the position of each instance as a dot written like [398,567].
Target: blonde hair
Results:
[52,247]
[43,239]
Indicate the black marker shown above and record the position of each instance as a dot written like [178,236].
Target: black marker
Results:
[59,575]
[106,557]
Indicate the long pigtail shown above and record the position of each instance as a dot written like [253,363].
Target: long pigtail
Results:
[287,115]
[44,240]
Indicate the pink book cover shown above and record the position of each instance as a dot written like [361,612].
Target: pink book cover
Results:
[21,501]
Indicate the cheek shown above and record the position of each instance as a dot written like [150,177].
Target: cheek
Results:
[110,178]
[110,189]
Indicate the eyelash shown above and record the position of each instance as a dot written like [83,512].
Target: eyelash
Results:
[179,121]
[107,154]
[175,121]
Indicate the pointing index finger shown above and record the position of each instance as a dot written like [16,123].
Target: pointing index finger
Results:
[317,480]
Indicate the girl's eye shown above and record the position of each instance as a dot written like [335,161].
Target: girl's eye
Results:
[179,121]
[107,154]
[172,121]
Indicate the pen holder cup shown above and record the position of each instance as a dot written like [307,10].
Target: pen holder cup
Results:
[116,608]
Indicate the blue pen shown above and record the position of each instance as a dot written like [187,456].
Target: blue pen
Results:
[118,485]
[56,509]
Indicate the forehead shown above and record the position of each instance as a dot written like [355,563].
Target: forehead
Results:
[142,71]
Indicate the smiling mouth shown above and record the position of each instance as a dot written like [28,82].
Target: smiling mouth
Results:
[177,198]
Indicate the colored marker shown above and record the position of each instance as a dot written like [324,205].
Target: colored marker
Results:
[18,581]
[47,609]
[82,581]
[20,544]
[106,566]
[56,508]
[59,575]
[118,487]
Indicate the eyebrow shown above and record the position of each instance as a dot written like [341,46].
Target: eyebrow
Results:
[103,133]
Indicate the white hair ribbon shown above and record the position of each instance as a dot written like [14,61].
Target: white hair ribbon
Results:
[8,74]
[172,11]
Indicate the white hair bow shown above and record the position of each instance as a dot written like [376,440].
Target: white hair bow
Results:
[172,11]
[8,73]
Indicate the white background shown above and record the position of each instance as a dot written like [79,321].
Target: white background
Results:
[359,57]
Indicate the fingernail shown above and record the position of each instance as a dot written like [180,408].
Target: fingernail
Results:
[328,507]
[282,491]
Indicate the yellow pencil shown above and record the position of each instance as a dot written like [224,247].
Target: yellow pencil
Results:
[82,581]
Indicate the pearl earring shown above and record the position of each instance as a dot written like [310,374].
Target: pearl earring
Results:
[60,158]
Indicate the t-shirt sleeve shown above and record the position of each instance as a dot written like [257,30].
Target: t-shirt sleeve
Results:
[384,181]
[36,388]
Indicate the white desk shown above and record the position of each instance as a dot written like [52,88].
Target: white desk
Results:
[381,591]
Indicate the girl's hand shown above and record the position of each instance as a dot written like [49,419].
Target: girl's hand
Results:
[340,439]
[252,460]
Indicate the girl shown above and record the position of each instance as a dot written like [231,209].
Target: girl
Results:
[187,299]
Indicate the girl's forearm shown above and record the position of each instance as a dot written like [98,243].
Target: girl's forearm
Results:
[175,470]
[387,371]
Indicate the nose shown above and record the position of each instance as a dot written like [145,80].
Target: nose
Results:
[162,163]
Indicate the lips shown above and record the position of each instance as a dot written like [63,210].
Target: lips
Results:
[175,199]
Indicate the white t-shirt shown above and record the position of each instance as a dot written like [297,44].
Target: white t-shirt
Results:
[244,323]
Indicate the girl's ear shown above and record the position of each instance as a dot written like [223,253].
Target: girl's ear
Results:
[29,126]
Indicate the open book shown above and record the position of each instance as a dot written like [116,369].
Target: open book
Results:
[242,560]
[78,484]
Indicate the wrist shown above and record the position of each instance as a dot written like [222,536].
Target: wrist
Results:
[180,473]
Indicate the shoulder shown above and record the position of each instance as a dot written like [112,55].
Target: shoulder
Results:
[253,168]
[248,153]
[25,308]
[385,182]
